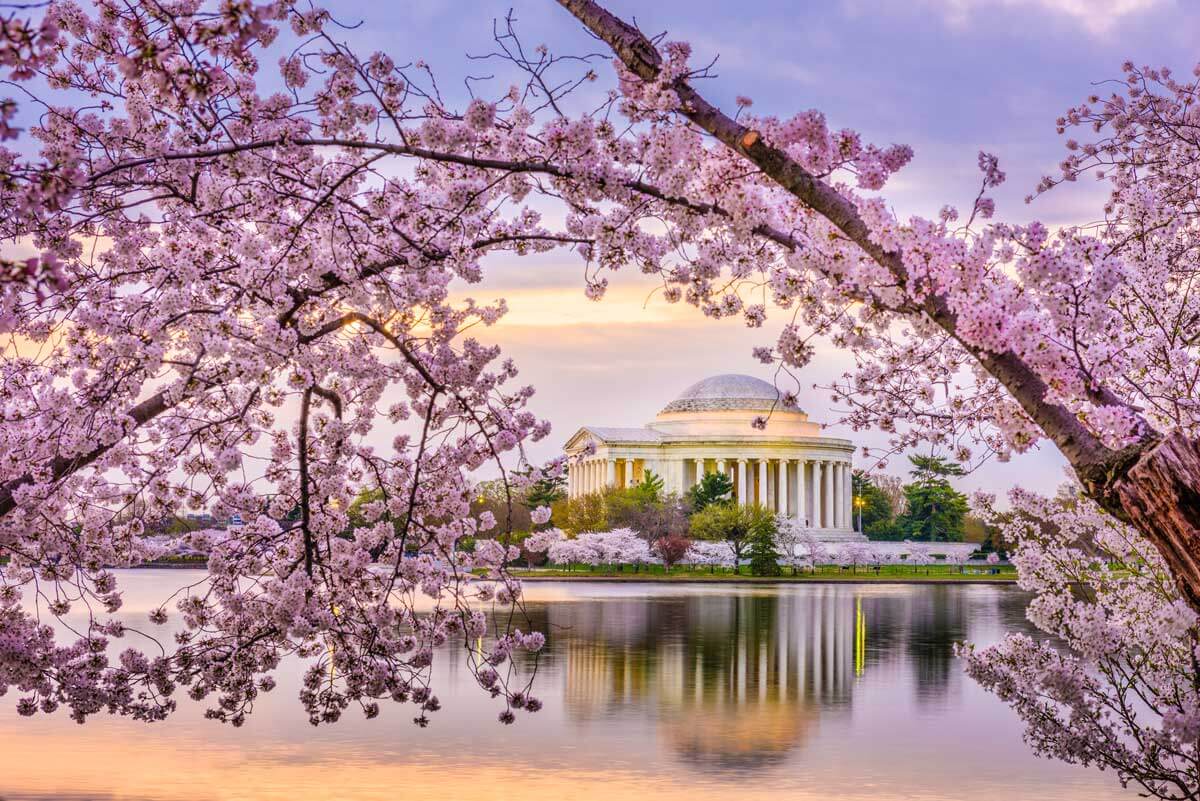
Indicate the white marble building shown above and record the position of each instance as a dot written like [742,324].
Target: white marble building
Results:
[788,466]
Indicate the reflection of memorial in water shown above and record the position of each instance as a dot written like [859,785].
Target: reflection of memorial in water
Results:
[935,623]
[733,680]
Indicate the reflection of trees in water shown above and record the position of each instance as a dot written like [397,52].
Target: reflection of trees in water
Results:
[736,678]
[937,620]
[921,627]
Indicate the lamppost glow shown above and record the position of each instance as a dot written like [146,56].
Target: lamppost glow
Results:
[859,503]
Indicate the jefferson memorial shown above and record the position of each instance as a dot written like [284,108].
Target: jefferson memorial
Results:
[788,466]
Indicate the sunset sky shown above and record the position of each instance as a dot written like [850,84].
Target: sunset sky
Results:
[948,77]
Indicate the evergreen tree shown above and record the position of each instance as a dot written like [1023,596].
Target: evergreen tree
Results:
[650,489]
[545,491]
[712,488]
[764,559]
[936,510]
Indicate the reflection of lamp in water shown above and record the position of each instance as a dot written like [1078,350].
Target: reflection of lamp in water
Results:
[860,638]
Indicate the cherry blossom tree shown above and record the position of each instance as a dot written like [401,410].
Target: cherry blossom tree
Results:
[542,541]
[569,551]
[621,546]
[983,338]
[712,554]
[789,536]
[814,550]
[1122,694]
[919,554]
[246,294]
[957,558]
[855,554]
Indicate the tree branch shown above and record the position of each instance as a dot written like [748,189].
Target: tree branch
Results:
[1082,448]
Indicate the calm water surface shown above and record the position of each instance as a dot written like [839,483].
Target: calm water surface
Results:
[659,692]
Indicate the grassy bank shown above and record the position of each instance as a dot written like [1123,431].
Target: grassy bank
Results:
[883,573]
[179,561]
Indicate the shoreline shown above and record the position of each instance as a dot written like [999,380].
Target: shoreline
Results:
[650,578]
[861,579]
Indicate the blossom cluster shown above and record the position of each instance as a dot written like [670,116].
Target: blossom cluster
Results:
[796,545]
[1088,320]
[1116,686]
[619,546]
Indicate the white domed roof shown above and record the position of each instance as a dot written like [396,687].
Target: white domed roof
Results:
[730,391]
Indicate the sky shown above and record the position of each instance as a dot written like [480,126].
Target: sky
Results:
[948,77]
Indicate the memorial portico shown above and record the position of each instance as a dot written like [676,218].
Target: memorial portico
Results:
[786,466]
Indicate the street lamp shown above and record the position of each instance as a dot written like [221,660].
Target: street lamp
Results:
[859,503]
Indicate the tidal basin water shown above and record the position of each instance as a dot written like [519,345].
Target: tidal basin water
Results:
[651,691]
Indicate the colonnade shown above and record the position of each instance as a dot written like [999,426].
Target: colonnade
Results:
[814,490]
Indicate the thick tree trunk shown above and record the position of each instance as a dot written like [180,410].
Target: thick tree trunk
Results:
[1159,494]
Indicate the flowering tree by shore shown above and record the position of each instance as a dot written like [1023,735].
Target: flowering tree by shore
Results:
[1122,695]
[245,294]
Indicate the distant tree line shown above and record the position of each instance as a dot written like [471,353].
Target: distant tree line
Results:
[926,509]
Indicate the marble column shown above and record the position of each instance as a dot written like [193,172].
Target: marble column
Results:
[829,498]
[847,495]
[849,468]
[775,471]
[781,487]
[770,502]
[743,494]
[785,488]
[801,491]
[846,520]
[721,466]
[761,493]
[835,500]
[816,484]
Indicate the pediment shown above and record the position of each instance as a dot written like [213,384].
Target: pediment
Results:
[580,439]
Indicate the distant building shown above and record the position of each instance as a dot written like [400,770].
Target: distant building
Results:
[787,466]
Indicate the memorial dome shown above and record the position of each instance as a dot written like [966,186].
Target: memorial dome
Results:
[727,406]
[730,391]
